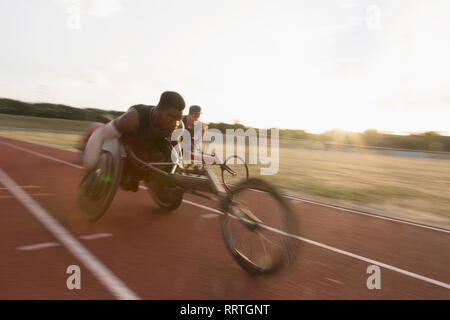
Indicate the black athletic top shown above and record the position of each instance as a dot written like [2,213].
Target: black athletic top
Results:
[150,143]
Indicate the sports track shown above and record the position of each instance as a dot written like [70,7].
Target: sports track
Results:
[136,251]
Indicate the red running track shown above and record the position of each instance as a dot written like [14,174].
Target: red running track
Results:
[182,255]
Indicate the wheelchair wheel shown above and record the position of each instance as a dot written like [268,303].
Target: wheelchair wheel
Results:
[234,171]
[258,226]
[168,198]
[98,186]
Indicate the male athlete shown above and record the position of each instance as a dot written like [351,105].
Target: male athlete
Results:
[191,124]
[146,129]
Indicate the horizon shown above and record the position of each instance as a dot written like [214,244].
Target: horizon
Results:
[351,65]
[244,124]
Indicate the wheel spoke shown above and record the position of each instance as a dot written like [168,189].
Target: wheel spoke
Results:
[261,252]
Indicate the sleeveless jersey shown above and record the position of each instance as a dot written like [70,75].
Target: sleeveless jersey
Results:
[149,143]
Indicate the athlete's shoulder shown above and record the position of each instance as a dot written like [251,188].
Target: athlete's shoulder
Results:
[141,107]
[128,122]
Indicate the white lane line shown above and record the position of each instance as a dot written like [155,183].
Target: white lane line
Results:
[38,246]
[203,207]
[8,196]
[209,215]
[439,283]
[95,236]
[97,268]
[54,244]
[361,213]
[284,195]
[41,144]
[41,155]
[24,187]
[365,213]
[384,265]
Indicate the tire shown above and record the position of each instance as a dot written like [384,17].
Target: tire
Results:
[263,231]
[154,189]
[167,198]
[241,168]
[98,186]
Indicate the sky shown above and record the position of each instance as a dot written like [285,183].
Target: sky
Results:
[311,65]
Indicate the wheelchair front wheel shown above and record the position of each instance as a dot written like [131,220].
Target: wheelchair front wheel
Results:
[259,227]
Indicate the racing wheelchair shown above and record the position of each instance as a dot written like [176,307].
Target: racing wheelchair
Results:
[260,242]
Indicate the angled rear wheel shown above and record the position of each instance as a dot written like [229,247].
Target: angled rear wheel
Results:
[98,186]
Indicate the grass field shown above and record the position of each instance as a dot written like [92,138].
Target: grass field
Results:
[15,121]
[416,189]
[65,140]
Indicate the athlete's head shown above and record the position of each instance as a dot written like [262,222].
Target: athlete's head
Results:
[194,113]
[170,110]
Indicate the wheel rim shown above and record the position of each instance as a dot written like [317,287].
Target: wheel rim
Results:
[98,186]
[240,168]
[259,245]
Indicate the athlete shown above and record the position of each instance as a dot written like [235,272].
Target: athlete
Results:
[190,122]
[146,129]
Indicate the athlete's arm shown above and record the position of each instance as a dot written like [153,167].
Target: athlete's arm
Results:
[128,122]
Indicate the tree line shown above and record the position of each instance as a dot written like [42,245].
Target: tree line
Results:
[59,111]
[429,141]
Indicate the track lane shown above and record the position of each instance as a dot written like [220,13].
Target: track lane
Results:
[185,224]
[36,274]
